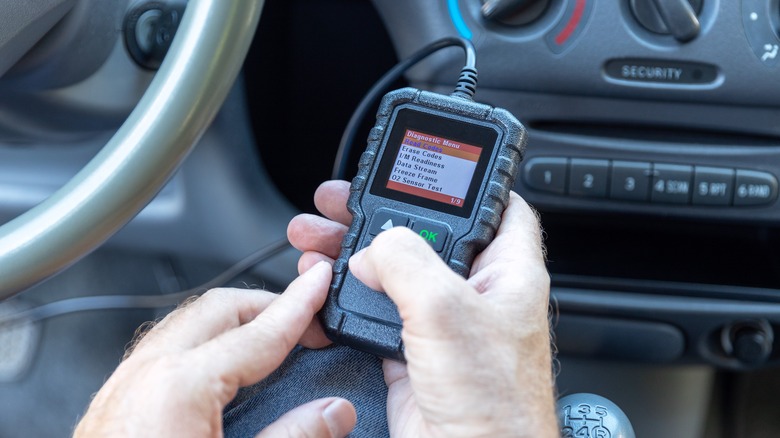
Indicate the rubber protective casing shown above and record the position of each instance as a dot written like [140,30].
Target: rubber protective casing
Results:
[368,321]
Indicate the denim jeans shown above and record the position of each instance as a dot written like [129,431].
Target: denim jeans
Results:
[307,375]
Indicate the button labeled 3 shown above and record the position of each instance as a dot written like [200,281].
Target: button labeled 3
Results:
[630,181]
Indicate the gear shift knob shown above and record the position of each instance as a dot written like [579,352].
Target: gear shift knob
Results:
[592,416]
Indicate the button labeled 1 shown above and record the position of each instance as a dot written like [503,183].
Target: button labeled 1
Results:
[546,174]
[588,178]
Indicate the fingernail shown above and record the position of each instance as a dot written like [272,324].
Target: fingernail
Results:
[338,416]
[321,264]
[358,256]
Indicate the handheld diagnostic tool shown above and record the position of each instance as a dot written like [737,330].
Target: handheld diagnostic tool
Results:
[442,166]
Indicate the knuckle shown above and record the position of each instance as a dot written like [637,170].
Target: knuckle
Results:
[216,298]
[218,293]
[276,338]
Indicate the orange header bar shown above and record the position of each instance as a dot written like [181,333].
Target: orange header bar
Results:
[445,146]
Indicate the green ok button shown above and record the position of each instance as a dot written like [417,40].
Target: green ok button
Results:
[430,236]
[434,234]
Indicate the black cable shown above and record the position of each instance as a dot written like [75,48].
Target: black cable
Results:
[466,88]
[115,302]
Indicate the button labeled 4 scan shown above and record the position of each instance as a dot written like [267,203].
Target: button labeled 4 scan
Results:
[671,183]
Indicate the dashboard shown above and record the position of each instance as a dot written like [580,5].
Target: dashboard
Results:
[653,151]
[653,156]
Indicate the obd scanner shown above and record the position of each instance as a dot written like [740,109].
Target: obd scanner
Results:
[442,166]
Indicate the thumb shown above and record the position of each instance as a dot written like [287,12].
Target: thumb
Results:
[405,267]
[323,418]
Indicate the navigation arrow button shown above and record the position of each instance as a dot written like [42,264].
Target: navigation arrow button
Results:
[387,225]
[384,220]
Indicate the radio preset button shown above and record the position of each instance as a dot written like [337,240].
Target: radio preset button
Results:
[671,184]
[713,186]
[546,174]
[755,188]
[588,178]
[630,181]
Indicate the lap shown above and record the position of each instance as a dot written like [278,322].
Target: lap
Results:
[308,375]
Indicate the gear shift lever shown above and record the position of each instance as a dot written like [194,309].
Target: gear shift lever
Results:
[592,416]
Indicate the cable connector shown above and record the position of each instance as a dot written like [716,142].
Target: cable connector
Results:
[467,83]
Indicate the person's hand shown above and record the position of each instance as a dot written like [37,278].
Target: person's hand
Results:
[185,370]
[478,350]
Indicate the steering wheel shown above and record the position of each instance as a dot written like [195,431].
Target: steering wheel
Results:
[182,100]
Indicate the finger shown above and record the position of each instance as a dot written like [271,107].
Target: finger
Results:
[402,264]
[519,238]
[331,200]
[402,411]
[512,268]
[314,337]
[327,418]
[311,258]
[308,232]
[394,371]
[249,353]
[217,311]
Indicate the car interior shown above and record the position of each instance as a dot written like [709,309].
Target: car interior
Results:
[652,158]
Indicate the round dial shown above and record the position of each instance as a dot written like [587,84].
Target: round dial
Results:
[678,18]
[514,12]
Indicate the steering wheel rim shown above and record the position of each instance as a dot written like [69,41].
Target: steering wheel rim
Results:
[182,100]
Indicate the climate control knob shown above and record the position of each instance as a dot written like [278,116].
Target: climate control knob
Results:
[678,18]
[513,12]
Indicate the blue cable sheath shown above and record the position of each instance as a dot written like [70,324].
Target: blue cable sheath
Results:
[457,19]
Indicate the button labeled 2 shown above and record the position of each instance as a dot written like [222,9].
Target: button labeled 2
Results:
[589,178]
